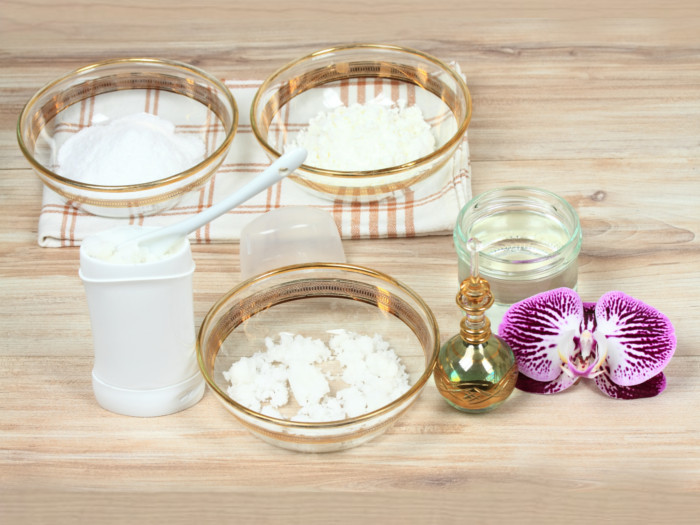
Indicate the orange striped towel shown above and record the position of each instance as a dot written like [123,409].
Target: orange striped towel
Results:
[426,211]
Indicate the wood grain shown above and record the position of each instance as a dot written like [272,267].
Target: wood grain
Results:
[597,101]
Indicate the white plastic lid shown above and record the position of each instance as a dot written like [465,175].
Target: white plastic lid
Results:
[289,235]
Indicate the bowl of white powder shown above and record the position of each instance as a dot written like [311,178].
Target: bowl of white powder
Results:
[318,357]
[376,119]
[128,137]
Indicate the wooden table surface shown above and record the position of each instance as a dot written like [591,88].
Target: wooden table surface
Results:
[596,101]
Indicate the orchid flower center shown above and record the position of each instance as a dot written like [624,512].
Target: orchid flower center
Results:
[584,360]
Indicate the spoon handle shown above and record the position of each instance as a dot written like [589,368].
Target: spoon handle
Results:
[279,169]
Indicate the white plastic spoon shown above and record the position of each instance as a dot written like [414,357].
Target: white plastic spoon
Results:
[158,242]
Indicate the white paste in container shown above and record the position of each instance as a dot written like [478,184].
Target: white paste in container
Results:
[363,137]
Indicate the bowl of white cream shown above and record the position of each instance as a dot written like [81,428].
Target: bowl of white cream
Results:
[128,137]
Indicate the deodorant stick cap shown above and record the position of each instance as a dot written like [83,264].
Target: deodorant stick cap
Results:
[289,235]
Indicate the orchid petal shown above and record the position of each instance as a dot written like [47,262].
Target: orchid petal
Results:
[639,339]
[541,331]
[562,382]
[649,388]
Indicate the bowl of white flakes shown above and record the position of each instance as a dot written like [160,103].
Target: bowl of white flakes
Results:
[377,120]
[318,357]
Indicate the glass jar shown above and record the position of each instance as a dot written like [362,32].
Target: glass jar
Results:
[530,241]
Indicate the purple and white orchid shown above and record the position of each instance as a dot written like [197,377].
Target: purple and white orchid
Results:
[621,343]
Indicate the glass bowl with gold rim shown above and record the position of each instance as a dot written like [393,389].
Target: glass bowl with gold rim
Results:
[197,106]
[396,78]
[308,303]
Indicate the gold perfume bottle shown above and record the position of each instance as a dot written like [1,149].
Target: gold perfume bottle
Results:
[476,370]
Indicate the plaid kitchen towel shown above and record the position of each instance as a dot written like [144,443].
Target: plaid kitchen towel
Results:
[431,209]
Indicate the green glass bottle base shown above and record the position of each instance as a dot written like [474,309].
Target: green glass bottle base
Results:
[473,410]
[475,378]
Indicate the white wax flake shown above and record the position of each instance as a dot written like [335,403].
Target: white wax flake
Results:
[295,349]
[255,380]
[353,400]
[371,371]
[371,366]
[129,150]
[271,411]
[308,383]
[328,409]
[363,137]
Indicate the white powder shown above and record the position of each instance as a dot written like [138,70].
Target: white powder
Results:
[363,137]
[371,373]
[129,150]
